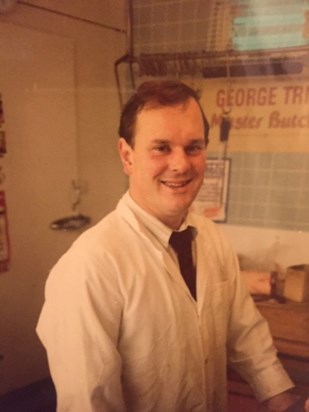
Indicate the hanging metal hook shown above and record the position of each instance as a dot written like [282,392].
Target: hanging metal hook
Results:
[77,220]
[77,191]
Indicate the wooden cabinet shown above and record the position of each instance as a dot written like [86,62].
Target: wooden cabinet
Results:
[289,325]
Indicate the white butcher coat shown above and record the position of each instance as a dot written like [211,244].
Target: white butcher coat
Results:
[123,333]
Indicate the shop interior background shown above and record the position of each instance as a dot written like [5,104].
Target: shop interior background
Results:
[60,106]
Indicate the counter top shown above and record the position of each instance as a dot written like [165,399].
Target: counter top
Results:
[289,326]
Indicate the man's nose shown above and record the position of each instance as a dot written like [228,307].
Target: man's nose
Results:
[179,161]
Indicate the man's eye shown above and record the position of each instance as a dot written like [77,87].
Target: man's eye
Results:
[162,148]
[194,148]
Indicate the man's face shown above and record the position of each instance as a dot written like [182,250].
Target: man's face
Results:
[166,165]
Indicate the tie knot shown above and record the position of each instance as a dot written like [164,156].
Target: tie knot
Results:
[179,240]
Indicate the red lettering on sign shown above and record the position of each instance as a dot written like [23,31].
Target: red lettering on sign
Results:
[285,122]
[296,94]
[215,120]
[250,96]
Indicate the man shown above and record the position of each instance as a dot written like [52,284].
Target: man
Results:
[122,328]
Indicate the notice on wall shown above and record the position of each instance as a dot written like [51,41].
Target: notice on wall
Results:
[2,131]
[1,111]
[267,114]
[211,200]
[4,236]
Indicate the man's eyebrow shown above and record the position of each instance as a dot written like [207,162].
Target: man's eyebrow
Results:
[197,140]
[200,140]
[157,141]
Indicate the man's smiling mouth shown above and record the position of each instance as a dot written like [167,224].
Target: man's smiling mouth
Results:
[176,185]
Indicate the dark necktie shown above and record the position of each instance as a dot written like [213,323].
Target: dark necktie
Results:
[181,242]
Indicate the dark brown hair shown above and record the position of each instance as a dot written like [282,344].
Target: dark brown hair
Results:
[153,94]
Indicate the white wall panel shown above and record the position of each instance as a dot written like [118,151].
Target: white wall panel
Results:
[37,88]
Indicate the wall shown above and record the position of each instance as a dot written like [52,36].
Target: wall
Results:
[268,193]
[269,249]
[269,179]
[268,143]
[56,131]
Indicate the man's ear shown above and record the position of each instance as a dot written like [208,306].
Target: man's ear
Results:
[126,155]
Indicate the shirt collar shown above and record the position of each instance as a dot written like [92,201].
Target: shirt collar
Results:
[159,229]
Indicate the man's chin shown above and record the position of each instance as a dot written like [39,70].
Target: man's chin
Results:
[179,208]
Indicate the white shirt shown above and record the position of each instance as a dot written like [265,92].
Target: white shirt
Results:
[123,333]
[157,228]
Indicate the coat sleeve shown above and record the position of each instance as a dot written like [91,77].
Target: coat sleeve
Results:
[250,345]
[79,327]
